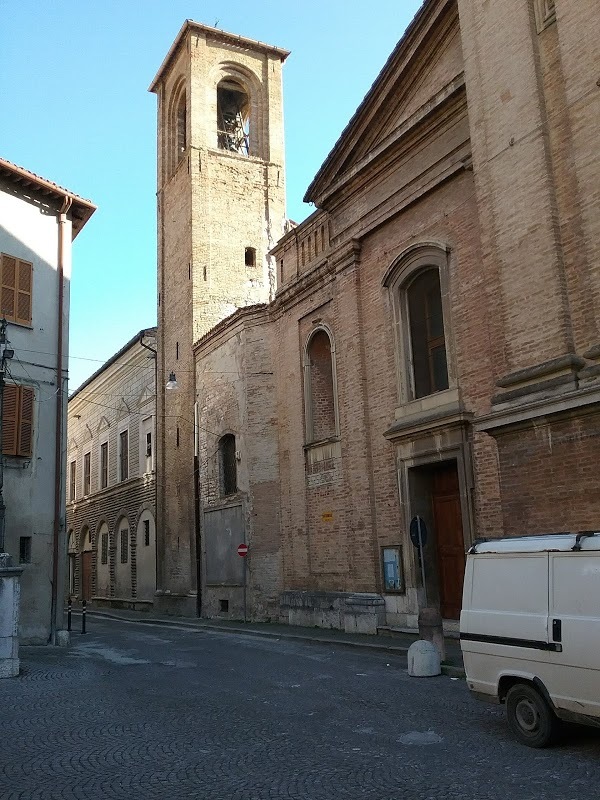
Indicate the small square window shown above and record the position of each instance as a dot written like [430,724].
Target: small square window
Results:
[25,550]
[250,257]
[224,606]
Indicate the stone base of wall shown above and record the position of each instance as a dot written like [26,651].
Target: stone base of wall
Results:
[175,605]
[129,603]
[347,611]
[227,602]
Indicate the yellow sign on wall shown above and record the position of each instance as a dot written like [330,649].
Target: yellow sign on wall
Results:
[327,516]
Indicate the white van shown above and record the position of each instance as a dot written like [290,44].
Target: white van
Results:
[530,630]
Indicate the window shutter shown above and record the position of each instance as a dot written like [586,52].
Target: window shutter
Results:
[26,423]
[9,420]
[23,314]
[9,287]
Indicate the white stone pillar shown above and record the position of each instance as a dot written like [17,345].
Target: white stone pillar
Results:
[10,592]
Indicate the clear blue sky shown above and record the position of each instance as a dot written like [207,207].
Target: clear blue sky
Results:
[74,76]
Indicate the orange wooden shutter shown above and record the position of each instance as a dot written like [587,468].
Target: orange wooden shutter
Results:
[23,314]
[9,287]
[10,408]
[25,446]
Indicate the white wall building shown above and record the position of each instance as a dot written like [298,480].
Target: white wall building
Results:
[111,480]
[38,222]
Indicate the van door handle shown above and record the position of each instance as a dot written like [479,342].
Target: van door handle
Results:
[557,630]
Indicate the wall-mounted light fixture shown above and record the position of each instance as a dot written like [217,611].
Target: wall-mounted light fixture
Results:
[172,382]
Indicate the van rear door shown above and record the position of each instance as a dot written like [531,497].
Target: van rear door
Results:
[506,599]
[575,621]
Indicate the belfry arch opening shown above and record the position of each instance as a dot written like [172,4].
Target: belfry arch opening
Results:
[233,117]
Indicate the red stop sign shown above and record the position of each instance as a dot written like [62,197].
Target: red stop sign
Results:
[242,550]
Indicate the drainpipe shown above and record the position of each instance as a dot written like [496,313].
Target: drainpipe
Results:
[155,443]
[62,221]
[197,530]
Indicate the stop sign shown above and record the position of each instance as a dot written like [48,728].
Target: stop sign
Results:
[242,550]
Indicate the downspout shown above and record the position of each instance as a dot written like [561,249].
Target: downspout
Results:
[62,221]
[197,515]
[155,460]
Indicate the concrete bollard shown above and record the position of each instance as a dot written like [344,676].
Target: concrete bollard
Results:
[431,629]
[423,660]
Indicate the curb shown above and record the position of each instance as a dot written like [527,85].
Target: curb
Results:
[447,669]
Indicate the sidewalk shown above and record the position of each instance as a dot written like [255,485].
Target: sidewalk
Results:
[392,642]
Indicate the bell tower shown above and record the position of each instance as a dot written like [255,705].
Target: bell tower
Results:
[221,208]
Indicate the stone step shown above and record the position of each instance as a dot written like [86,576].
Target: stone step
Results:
[450,631]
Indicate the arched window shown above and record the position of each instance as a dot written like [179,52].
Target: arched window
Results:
[321,405]
[419,289]
[85,578]
[102,561]
[233,117]
[177,141]
[72,547]
[227,465]
[181,127]
[426,327]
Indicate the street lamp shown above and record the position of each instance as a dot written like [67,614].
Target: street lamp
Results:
[172,382]
[5,355]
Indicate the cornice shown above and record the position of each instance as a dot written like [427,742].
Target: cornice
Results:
[447,105]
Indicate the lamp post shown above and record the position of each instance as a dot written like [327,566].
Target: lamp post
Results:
[5,355]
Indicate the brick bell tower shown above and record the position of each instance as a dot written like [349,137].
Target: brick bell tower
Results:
[221,207]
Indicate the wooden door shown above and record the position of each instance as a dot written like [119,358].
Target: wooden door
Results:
[86,575]
[449,537]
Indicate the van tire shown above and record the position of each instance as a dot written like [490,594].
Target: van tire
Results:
[530,718]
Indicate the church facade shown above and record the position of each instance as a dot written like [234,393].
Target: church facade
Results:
[421,353]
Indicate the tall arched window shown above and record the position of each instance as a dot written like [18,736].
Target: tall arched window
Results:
[177,141]
[233,117]
[227,465]
[72,561]
[86,561]
[427,340]
[181,127]
[321,406]
[102,561]
[419,290]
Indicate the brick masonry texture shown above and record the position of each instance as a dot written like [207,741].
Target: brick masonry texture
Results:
[473,152]
[211,208]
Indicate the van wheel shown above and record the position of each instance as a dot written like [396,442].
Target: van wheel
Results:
[530,717]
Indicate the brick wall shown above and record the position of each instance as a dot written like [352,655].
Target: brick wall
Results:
[549,476]
[216,205]
[236,395]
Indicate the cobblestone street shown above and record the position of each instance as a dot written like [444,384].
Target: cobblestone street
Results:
[140,711]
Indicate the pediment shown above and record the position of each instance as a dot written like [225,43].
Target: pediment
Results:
[123,410]
[103,425]
[147,395]
[423,68]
